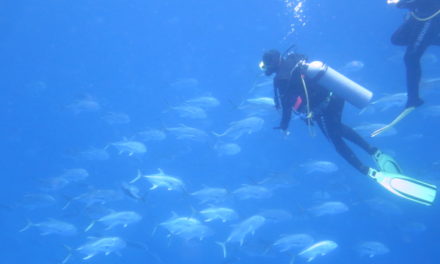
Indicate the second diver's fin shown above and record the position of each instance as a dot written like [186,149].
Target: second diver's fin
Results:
[406,187]
[399,118]
[386,163]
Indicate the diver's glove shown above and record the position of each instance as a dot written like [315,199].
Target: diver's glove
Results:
[284,130]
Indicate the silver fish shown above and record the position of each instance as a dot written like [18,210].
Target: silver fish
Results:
[203,101]
[188,111]
[372,249]
[161,179]
[246,227]
[114,219]
[294,241]
[152,135]
[252,192]
[431,111]
[52,226]
[186,227]
[37,200]
[221,213]
[183,132]
[245,126]
[95,154]
[132,192]
[113,118]
[319,166]
[227,149]
[75,175]
[329,208]
[319,249]
[276,215]
[387,102]
[98,196]
[353,66]
[129,146]
[86,105]
[105,245]
[210,195]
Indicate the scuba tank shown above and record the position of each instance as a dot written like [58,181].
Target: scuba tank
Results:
[345,88]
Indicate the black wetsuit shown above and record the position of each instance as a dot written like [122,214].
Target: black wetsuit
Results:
[417,36]
[326,108]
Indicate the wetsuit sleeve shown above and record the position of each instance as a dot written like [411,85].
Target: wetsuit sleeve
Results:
[276,98]
[286,97]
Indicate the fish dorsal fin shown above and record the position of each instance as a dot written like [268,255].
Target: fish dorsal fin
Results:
[89,226]
[174,214]
[223,247]
[160,171]
[138,176]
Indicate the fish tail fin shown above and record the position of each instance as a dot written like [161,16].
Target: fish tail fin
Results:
[90,226]
[292,260]
[217,134]
[138,176]
[223,246]
[28,225]
[67,204]
[68,255]
[154,231]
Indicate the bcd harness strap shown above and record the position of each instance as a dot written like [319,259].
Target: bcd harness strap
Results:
[318,109]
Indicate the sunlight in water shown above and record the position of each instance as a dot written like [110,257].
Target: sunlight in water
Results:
[295,10]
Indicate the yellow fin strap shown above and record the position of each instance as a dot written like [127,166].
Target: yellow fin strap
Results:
[394,122]
[424,19]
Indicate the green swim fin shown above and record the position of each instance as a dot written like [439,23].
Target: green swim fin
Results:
[406,187]
[399,118]
[386,163]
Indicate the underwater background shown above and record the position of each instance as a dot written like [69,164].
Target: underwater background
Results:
[94,92]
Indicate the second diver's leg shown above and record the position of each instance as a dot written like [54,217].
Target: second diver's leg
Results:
[415,50]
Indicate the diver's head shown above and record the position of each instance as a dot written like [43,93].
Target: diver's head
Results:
[271,62]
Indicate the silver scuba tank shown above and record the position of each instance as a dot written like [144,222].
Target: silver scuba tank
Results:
[345,88]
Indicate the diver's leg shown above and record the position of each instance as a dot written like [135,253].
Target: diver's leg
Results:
[353,136]
[334,134]
[402,36]
[330,124]
[427,33]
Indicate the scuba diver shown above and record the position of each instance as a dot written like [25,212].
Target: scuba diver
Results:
[420,30]
[318,94]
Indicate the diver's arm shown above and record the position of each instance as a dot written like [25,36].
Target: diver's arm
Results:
[286,98]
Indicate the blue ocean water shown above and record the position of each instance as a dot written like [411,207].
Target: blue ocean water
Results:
[81,78]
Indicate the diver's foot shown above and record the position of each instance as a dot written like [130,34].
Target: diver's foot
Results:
[414,103]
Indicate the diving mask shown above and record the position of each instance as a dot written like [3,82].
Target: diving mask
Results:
[262,66]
